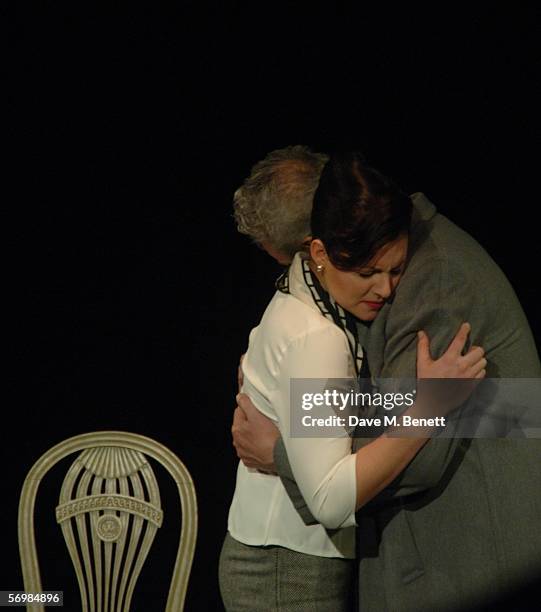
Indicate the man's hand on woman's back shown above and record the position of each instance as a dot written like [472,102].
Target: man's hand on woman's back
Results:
[254,436]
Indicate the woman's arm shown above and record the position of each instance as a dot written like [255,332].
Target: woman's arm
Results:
[381,461]
[323,466]
[333,482]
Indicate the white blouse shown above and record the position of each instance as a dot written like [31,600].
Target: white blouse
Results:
[294,340]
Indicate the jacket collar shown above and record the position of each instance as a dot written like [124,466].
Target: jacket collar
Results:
[423,209]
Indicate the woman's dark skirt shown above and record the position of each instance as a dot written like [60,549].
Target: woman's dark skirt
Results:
[276,579]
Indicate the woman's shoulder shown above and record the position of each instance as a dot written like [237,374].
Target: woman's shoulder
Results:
[293,333]
[290,319]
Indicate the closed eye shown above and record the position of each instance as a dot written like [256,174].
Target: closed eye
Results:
[368,274]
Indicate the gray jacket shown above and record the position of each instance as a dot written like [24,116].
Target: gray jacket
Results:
[462,523]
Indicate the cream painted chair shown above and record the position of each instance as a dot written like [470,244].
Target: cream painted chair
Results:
[109,511]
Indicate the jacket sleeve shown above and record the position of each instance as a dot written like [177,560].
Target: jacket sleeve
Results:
[438,305]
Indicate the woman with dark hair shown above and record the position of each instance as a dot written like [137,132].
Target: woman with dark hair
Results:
[270,559]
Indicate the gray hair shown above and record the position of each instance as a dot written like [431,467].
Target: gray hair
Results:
[274,203]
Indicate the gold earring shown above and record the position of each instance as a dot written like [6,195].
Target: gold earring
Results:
[319,267]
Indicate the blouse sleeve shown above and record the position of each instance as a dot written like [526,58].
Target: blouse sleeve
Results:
[324,468]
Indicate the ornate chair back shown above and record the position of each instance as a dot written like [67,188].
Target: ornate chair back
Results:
[109,511]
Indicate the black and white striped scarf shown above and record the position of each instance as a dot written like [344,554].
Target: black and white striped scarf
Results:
[329,309]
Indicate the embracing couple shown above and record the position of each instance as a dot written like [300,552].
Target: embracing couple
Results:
[379,287]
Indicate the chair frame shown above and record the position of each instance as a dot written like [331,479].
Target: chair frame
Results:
[147,446]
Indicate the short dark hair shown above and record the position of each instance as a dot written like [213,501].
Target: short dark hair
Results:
[357,210]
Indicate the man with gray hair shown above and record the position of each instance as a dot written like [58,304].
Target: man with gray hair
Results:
[274,203]
[460,525]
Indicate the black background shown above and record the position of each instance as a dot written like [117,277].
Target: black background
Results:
[130,294]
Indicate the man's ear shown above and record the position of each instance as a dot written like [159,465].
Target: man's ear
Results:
[318,252]
[306,243]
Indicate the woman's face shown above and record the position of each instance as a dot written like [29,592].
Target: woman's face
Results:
[363,292]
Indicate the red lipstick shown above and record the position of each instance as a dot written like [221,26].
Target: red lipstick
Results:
[375,305]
